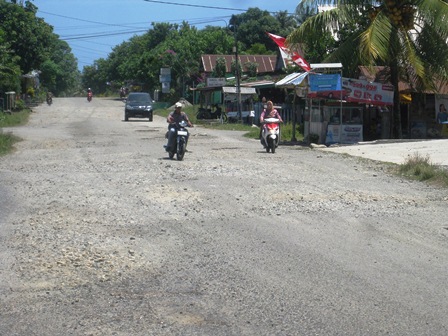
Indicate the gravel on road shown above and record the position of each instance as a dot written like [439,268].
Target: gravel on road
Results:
[102,234]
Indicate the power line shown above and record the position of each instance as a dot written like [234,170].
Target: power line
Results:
[197,6]
[89,21]
[102,34]
[203,6]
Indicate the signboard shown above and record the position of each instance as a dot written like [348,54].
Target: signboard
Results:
[356,91]
[325,82]
[351,133]
[333,134]
[165,71]
[346,134]
[165,75]
[441,112]
[165,87]
[164,78]
[216,82]
[362,91]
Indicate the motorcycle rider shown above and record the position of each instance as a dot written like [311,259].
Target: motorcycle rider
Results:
[173,119]
[89,93]
[49,97]
[269,112]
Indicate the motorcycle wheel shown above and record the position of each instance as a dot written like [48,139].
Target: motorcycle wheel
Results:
[181,149]
[271,145]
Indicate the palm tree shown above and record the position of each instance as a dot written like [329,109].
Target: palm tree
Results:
[409,37]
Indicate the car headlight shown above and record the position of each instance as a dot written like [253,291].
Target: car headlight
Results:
[148,108]
[128,107]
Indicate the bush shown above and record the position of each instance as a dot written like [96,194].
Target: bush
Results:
[313,138]
[7,142]
[421,168]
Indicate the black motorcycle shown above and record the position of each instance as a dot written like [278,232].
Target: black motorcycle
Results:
[179,146]
[49,100]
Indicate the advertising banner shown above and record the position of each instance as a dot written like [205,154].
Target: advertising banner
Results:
[352,90]
[325,82]
[362,91]
[343,134]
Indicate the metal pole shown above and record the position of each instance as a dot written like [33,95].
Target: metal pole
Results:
[237,74]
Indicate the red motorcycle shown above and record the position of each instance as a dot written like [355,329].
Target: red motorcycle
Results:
[270,134]
[89,96]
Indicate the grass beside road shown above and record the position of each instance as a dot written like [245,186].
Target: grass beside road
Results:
[250,131]
[420,168]
[7,140]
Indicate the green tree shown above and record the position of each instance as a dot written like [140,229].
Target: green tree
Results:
[251,28]
[409,37]
[9,70]
[220,68]
[287,23]
[26,34]
[59,73]
[35,47]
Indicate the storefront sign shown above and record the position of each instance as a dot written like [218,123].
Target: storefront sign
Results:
[333,134]
[362,91]
[351,133]
[345,134]
[325,82]
[216,82]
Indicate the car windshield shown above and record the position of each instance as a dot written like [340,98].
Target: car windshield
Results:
[141,98]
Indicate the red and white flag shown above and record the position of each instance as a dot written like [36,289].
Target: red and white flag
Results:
[296,58]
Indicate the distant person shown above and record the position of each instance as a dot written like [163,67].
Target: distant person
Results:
[269,112]
[442,116]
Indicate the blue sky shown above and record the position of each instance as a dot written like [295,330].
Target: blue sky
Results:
[115,21]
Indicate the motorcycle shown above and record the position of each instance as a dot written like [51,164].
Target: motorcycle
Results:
[179,146]
[49,100]
[89,96]
[270,134]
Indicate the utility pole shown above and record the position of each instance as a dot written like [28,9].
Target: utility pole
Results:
[237,73]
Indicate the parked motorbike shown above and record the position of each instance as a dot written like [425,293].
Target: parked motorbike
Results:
[270,134]
[179,146]
[89,96]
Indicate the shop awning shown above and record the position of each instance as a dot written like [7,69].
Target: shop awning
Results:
[243,90]
[292,80]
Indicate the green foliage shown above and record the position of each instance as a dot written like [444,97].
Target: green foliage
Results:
[7,140]
[15,118]
[410,38]
[220,68]
[28,43]
[258,49]
[313,138]
[179,47]
[251,28]
[251,68]
[417,167]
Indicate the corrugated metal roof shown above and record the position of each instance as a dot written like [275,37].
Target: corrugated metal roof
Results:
[292,80]
[380,74]
[266,63]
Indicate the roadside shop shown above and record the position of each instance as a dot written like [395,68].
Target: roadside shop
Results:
[341,110]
